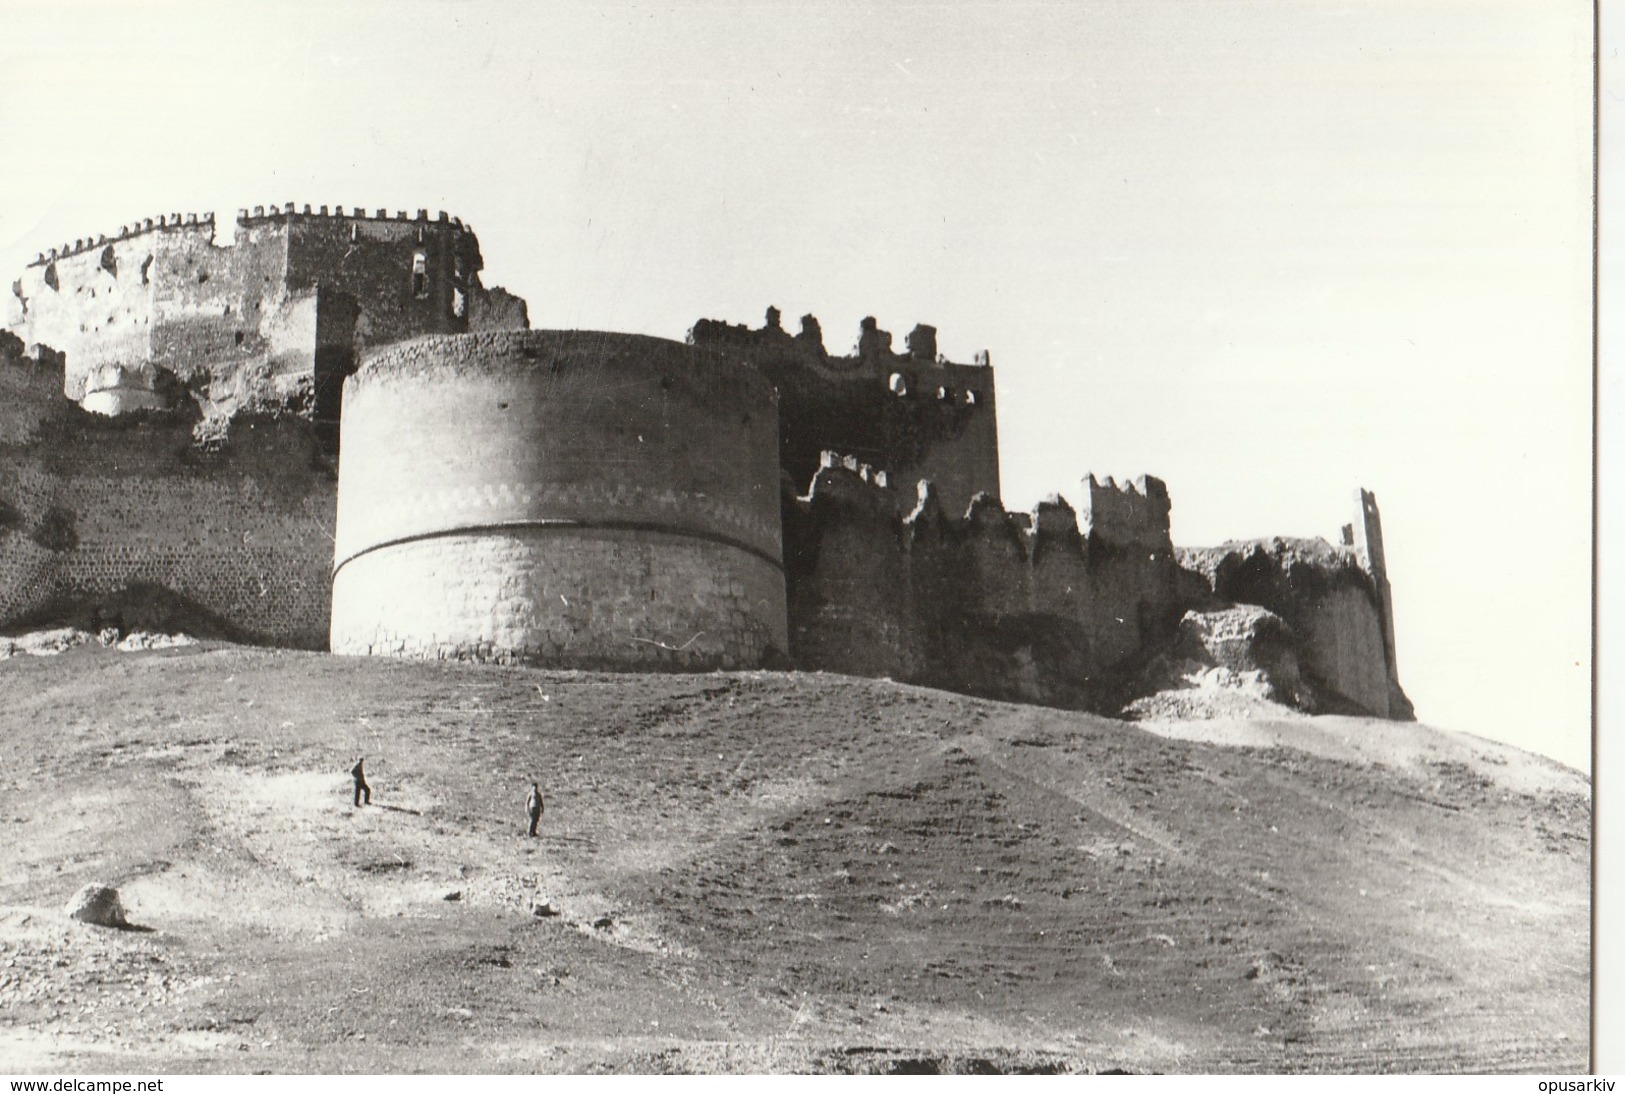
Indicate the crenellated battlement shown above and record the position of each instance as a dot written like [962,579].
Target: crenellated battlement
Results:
[839,483]
[161,222]
[872,352]
[987,519]
[1012,605]
[771,335]
[1060,605]
[442,221]
[855,489]
[1134,514]
[288,210]
[1131,515]
[1053,528]
[914,414]
[871,475]
[279,310]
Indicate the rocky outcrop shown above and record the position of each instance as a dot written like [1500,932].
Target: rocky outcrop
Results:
[1330,606]
[1224,662]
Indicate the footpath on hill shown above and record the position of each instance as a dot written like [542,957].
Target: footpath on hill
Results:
[760,872]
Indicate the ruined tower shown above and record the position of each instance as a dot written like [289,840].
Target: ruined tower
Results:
[1368,546]
[276,313]
[906,416]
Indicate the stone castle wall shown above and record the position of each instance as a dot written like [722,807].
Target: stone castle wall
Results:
[908,416]
[559,497]
[576,498]
[999,604]
[125,522]
[272,315]
[607,598]
[1331,601]
[1132,516]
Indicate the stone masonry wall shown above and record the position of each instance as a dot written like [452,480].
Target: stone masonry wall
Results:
[1332,606]
[609,463]
[565,595]
[372,261]
[908,416]
[217,310]
[1367,536]
[1133,515]
[158,294]
[986,603]
[237,320]
[123,521]
[846,582]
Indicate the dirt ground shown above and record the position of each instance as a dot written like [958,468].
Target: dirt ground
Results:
[760,872]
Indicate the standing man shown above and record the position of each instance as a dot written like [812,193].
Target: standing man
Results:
[534,806]
[363,792]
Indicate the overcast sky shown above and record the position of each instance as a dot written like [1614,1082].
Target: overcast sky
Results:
[1266,251]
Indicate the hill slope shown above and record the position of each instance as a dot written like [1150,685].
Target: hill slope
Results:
[760,871]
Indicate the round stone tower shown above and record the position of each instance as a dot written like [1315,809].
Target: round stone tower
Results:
[569,498]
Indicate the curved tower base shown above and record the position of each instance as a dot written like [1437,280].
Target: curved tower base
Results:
[565,596]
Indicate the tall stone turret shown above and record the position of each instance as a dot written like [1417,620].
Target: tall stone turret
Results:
[571,498]
[1368,546]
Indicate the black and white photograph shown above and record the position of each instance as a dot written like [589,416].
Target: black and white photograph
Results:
[816,538]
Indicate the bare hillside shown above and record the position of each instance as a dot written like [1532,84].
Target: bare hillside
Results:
[760,871]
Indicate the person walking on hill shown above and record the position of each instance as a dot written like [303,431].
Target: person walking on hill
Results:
[363,792]
[534,806]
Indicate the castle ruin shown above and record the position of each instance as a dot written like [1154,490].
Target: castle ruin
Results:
[325,433]
[274,313]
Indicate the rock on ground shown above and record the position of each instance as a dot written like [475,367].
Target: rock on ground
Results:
[98,905]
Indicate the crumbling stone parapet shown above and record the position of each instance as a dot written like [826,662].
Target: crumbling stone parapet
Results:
[1132,516]
[912,415]
[922,343]
[872,341]
[811,335]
